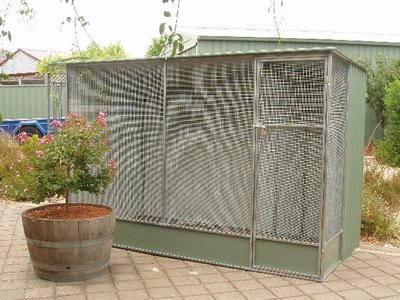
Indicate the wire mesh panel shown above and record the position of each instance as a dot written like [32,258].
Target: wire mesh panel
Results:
[209,145]
[336,144]
[289,185]
[132,95]
[292,92]
[290,150]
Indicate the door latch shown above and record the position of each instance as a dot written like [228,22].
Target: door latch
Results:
[263,129]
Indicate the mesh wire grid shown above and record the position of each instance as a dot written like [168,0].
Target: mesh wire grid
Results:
[336,148]
[208,162]
[209,113]
[132,95]
[290,159]
[292,92]
[209,143]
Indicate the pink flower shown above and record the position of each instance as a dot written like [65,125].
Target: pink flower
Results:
[22,137]
[102,114]
[47,139]
[101,118]
[55,123]
[39,154]
[112,164]
[73,120]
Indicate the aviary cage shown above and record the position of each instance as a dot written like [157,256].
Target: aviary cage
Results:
[237,159]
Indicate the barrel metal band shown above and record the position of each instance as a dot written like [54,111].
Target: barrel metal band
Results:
[69,244]
[67,268]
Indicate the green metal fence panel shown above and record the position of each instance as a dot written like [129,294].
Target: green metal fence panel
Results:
[354,161]
[373,131]
[331,256]
[26,102]
[207,247]
[298,259]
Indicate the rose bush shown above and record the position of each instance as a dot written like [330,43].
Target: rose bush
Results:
[70,160]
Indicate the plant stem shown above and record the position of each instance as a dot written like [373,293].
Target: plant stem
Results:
[66,202]
[66,192]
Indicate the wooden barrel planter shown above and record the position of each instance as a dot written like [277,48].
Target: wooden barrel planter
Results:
[69,250]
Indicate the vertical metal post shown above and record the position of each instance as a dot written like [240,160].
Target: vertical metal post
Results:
[325,145]
[346,140]
[48,101]
[253,203]
[164,162]
[66,94]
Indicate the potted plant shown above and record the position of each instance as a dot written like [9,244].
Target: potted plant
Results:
[73,241]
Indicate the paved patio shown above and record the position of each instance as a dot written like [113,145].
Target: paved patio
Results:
[368,274]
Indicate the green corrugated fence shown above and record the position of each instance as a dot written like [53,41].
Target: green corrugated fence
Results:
[27,102]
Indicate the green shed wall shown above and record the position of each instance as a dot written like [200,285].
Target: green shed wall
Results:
[25,102]
[354,50]
[354,160]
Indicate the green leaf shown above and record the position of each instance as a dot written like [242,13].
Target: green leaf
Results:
[167,14]
[9,36]
[170,39]
[69,19]
[181,47]
[175,48]
[162,28]
[165,1]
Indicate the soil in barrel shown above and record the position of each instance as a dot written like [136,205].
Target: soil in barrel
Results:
[75,212]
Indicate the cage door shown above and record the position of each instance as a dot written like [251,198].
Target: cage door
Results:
[289,173]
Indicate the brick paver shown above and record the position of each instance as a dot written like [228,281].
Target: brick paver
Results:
[367,274]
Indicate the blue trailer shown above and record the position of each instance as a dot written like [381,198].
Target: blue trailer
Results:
[27,108]
[37,126]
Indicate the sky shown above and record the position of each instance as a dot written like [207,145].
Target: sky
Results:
[135,22]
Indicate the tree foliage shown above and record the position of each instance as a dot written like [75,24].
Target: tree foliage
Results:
[174,40]
[389,149]
[53,64]
[157,46]
[11,10]
[380,75]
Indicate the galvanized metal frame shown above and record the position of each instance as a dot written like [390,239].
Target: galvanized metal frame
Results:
[322,243]
[297,58]
[255,168]
[255,163]
[164,165]
[256,127]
